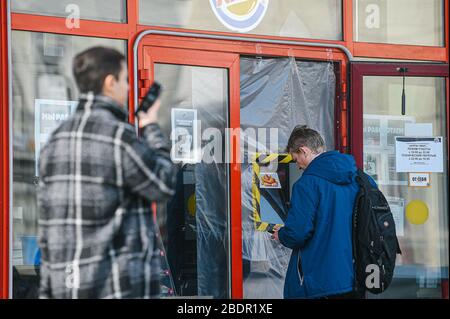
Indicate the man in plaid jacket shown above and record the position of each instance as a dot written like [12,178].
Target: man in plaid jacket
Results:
[97,182]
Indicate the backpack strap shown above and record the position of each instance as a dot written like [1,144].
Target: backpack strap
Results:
[364,187]
[363,178]
[362,190]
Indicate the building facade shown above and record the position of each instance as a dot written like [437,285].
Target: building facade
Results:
[245,72]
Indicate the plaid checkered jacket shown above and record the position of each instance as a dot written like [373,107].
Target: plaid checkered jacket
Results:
[97,181]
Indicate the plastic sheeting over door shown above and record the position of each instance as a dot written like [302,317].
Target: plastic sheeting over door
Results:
[278,93]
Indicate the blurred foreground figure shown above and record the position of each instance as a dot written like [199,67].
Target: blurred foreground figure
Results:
[97,180]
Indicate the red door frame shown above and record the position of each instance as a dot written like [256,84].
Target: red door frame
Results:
[4,154]
[271,50]
[211,52]
[361,69]
[358,71]
[229,61]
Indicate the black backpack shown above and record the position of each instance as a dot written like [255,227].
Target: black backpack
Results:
[375,243]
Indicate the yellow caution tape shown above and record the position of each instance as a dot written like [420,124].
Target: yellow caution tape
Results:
[261,158]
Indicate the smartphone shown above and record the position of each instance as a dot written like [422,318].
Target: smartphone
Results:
[149,98]
[270,228]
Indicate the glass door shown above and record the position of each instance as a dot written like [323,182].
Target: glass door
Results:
[400,137]
[196,225]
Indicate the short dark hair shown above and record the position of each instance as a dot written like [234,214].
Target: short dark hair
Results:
[92,66]
[305,136]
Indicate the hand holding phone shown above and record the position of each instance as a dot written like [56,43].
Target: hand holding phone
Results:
[147,111]
[150,98]
[274,231]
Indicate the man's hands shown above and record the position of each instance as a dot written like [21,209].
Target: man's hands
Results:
[274,236]
[151,116]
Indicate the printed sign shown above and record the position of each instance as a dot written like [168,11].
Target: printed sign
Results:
[419,154]
[184,135]
[397,206]
[240,15]
[419,180]
[269,180]
[379,147]
[49,114]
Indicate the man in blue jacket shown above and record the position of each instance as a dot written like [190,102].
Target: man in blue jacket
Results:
[318,228]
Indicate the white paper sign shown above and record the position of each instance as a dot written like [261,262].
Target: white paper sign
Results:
[419,180]
[49,114]
[397,206]
[184,135]
[419,154]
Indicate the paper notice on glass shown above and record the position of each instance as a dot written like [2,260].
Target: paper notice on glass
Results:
[184,135]
[419,180]
[419,154]
[397,206]
[49,114]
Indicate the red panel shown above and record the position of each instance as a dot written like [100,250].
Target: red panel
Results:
[356,115]
[343,133]
[230,46]
[444,288]
[146,27]
[447,29]
[4,156]
[31,22]
[390,69]
[338,107]
[132,20]
[235,184]
[347,23]
[397,51]
[189,57]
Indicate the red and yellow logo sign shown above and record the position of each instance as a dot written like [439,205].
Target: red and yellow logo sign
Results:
[240,15]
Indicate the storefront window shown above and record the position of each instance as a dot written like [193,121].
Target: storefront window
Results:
[420,213]
[194,224]
[414,22]
[44,93]
[111,10]
[291,18]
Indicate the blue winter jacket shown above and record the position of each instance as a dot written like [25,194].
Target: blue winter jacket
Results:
[318,228]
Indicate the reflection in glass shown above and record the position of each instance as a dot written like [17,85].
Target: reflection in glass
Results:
[42,85]
[414,22]
[423,265]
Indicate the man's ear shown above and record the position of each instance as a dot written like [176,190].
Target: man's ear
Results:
[108,83]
